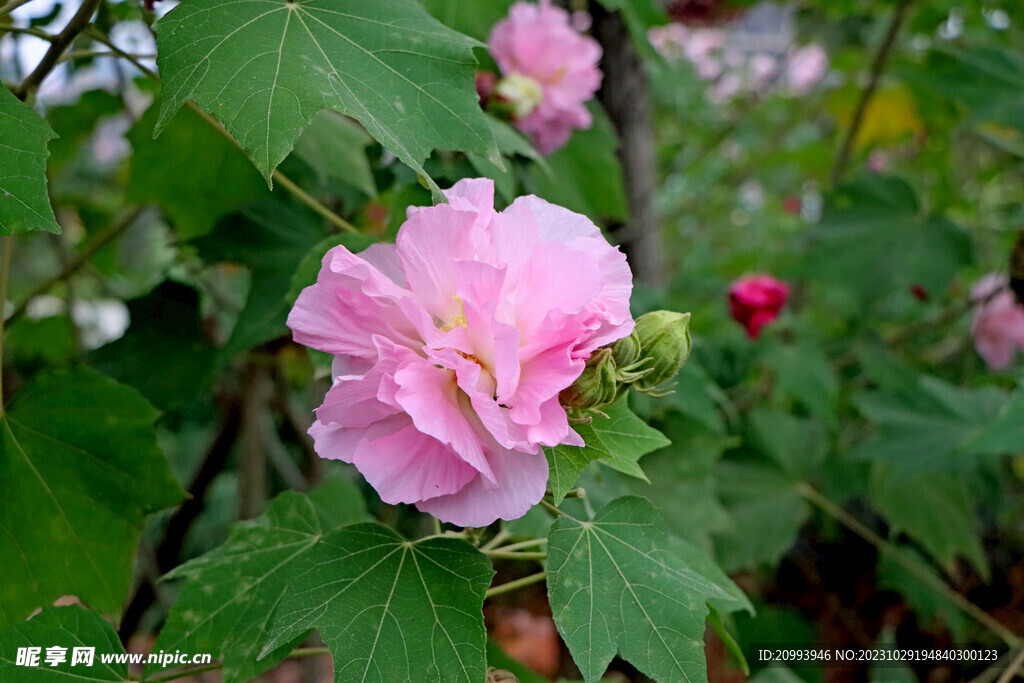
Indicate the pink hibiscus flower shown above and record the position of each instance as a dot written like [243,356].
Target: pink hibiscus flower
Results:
[451,348]
[756,300]
[998,326]
[550,71]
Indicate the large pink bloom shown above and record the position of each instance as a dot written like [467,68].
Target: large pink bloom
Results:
[539,43]
[451,348]
[998,326]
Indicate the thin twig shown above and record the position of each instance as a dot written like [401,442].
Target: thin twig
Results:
[901,558]
[504,555]
[83,54]
[877,67]
[278,176]
[1014,667]
[523,544]
[306,198]
[28,31]
[11,6]
[555,512]
[79,260]
[497,540]
[515,585]
[60,42]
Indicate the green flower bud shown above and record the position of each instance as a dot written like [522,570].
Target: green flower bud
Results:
[626,351]
[596,386]
[665,341]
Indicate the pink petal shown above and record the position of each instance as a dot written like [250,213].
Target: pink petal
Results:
[431,396]
[428,244]
[407,466]
[520,482]
[350,302]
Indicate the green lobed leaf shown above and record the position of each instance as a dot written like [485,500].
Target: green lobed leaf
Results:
[765,513]
[390,609]
[798,445]
[264,68]
[682,484]
[805,374]
[730,598]
[619,441]
[935,509]
[872,240]
[934,426]
[616,586]
[230,593]
[80,470]
[74,123]
[24,204]
[475,19]
[67,627]
[194,195]
[1003,434]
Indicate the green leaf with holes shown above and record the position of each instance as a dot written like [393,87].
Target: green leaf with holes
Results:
[616,586]
[390,609]
[264,68]
[80,470]
[230,593]
[24,204]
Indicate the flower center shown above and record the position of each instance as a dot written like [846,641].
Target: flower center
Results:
[459,320]
[522,92]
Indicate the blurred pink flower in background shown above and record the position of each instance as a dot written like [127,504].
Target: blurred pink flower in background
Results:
[451,348]
[549,69]
[806,67]
[756,300]
[998,326]
[722,59]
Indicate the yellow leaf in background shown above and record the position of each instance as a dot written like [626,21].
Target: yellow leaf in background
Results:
[891,115]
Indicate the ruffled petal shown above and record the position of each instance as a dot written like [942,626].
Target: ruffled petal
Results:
[520,482]
[407,466]
[350,303]
[431,397]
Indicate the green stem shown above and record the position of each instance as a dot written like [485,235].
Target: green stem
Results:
[5,260]
[11,6]
[515,585]
[504,555]
[60,42]
[1015,666]
[305,198]
[28,31]
[523,544]
[498,539]
[877,67]
[82,54]
[278,176]
[903,560]
[174,675]
[555,512]
[80,259]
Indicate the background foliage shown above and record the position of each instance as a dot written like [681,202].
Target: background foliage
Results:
[858,471]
